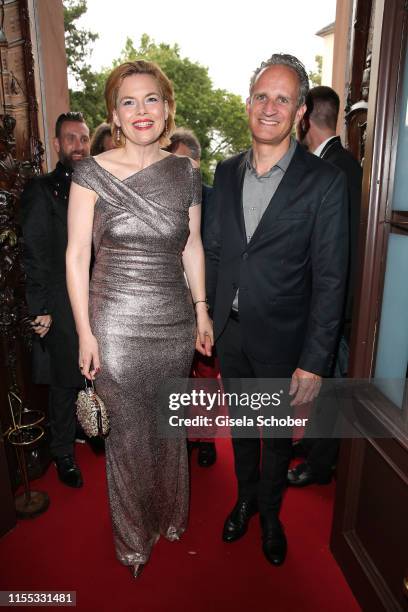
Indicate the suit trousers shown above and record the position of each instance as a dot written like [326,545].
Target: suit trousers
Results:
[321,455]
[62,418]
[322,452]
[260,464]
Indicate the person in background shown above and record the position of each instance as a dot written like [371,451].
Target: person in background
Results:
[102,139]
[185,142]
[44,205]
[317,132]
[277,255]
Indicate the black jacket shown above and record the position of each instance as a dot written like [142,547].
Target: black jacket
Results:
[206,210]
[44,204]
[336,154]
[292,274]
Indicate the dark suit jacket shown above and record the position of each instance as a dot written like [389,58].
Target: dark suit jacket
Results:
[336,154]
[44,205]
[292,274]
[205,210]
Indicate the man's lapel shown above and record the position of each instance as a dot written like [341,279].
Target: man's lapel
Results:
[238,184]
[284,193]
[334,143]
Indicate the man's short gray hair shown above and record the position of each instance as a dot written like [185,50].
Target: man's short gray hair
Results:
[284,59]
[188,139]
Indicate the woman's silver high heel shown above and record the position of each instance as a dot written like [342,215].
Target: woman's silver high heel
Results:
[136,569]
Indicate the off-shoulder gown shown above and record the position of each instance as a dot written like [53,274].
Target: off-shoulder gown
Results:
[142,316]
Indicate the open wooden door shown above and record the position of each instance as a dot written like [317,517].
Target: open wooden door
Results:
[370,527]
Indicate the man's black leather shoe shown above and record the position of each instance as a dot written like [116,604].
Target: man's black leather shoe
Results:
[236,524]
[274,543]
[207,454]
[302,475]
[68,472]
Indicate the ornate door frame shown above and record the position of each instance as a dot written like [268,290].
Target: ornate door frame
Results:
[369,523]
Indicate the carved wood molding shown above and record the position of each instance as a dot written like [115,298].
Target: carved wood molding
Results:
[20,158]
[359,86]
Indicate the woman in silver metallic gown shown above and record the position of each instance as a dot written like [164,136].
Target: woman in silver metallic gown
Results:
[136,321]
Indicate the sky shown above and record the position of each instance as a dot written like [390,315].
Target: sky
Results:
[230,37]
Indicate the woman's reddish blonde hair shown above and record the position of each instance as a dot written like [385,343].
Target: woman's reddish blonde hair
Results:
[115,80]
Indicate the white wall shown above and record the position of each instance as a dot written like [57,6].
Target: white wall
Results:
[327,66]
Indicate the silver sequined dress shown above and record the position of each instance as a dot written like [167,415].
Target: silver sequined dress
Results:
[142,316]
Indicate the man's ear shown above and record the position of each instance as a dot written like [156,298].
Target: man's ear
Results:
[300,113]
[56,144]
[247,104]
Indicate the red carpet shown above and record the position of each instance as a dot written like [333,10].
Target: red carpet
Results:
[70,548]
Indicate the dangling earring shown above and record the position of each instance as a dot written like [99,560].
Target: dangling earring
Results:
[118,135]
[166,131]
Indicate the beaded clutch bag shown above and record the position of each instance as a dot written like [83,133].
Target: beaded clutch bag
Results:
[91,412]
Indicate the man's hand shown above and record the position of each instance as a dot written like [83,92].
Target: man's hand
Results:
[41,325]
[305,386]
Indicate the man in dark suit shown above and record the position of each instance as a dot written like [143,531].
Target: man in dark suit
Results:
[185,142]
[276,267]
[317,131]
[44,221]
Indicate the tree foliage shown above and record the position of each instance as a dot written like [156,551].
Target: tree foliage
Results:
[87,97]
[316,77]
[77,40]
[216,116]
[90,98]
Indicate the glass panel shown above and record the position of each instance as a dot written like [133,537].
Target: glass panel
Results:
[392,349]
[400,198]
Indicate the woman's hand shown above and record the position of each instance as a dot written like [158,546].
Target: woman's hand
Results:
[41,325]
[205,333]
[89,356]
